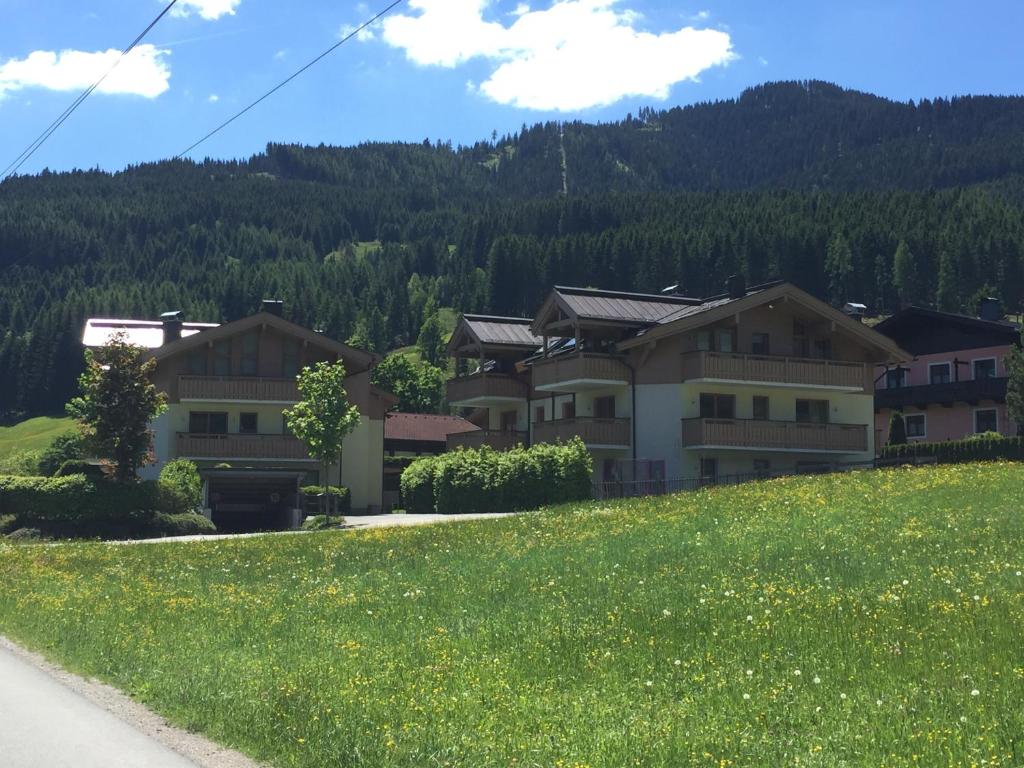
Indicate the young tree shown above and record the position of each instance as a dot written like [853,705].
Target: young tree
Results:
[323,418]
[897,429]
[117,404]
[1015,387]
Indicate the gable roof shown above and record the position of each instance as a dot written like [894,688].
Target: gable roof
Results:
[142,333]
[609,306]
[424,427]
[925,331]
[493,331]
[360,357]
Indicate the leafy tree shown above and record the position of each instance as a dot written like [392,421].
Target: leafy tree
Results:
[1015,386]
[431,341]
[63,448]
[897,429]
[419,387]
[323,418]
[117,404]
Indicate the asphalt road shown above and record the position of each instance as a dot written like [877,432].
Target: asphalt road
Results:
[45,724]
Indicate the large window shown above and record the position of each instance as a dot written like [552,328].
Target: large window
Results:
[938,373]
[719,340]
[714,406]
[917,425]
[812,411]
[761,412]
[986,420]
[823,349]
[249,362]
[248,423]
[290,358]
[604,407]
[222,358]
[985,368]
[205,423]
[896,378]
[197,362]
[760,344]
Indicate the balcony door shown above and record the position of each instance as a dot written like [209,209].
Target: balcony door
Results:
[812,411]
[604,407]
[207,423]
[715,406]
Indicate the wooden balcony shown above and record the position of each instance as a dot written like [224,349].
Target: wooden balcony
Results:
[972,392]
[774,435]
[594,432]
[499,440]
[579,371]
[198,446]
[485,390]
[237,388]
[776,371]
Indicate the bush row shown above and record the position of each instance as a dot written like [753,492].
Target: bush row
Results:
[486,480]
[981,448]
[340,498]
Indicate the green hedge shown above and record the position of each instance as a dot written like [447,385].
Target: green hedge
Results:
[486,480]
[981,448]
[341,499]
[181,487]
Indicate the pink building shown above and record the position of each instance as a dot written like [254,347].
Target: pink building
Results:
[955,386]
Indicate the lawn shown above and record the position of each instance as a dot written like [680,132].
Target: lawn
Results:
[858,620]
[33,434]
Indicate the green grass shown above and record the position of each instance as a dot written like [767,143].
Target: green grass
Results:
[33,434]
[858,620]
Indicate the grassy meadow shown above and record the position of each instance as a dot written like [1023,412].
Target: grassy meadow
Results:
[33,434]
[871,619]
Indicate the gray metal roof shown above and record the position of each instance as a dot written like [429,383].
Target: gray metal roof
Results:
[514,331]
[641,308]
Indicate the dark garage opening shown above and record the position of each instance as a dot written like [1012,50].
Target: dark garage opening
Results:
[252,502]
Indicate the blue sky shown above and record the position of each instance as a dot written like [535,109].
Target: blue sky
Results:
[456,69]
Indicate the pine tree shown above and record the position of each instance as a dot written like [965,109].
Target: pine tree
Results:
[904,273]
[947,294]
[897,429]
[839,268]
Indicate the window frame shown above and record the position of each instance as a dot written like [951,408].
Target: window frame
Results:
[247,356]
[604,400]
[949,372]
[207,416]
[924,425]
[760,336]
[986,409]
[904,377]
[222,357]
[818,402]
[995,367]
[715,398]
[255,425]
[711,461]
[767,408]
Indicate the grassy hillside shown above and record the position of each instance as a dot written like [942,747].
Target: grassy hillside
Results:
[33,434]
[867,619]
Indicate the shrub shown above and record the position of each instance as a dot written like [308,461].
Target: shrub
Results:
[181,487]
[183,524]
[90,469]
[21,463]
[897,429]
[485,480]
[990,446]
[340,498]
[63,448]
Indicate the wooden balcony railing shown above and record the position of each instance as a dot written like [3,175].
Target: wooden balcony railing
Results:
[923,395]
[771,369]
[237,388]
[192,445]
[592,431]
[777,435]
[588,368]
[480,387]
[499,440]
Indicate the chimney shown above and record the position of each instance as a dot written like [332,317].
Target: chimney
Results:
[736,286]
[990,308]
[272,306]
[171,322]
[855,311]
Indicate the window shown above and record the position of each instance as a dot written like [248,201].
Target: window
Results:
[896,378]
[508,421]
[760,344]
[250,349]
[812,411]
[938,373]
[823,349]
[714,406]
[708,469]
[222,358]
[202,423]
[801,345]
[761,408]
[604,407]
[568,410]
[538,414]
[985,368]
[248,423]
[197,362]
[986,420]
[290,358]
[704,341]
[726,338]
[916,424]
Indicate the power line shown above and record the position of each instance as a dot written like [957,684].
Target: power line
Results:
[291,77]
[31,148]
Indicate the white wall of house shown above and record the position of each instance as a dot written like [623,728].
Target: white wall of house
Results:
[659,432]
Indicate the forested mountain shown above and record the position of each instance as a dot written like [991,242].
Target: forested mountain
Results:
[849,195]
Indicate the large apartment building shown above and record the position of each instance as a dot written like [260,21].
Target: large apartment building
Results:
[227,386]
[757,380]
[954,386]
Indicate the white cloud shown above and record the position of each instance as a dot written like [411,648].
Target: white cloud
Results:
[210,10]
[573,55]
[363,35]
[213,98]
[143,72]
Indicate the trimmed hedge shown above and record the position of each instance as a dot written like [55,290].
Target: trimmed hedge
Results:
[341,498]
[485,480]
[988,447]
[184,524]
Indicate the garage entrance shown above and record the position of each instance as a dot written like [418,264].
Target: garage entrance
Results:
[243,501]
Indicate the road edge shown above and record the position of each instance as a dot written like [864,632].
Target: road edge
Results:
[193,746]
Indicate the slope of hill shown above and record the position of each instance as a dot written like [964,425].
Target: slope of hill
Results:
[848,620]
[804,181]
[33,434]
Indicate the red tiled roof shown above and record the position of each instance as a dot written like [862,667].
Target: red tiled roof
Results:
[424,427]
